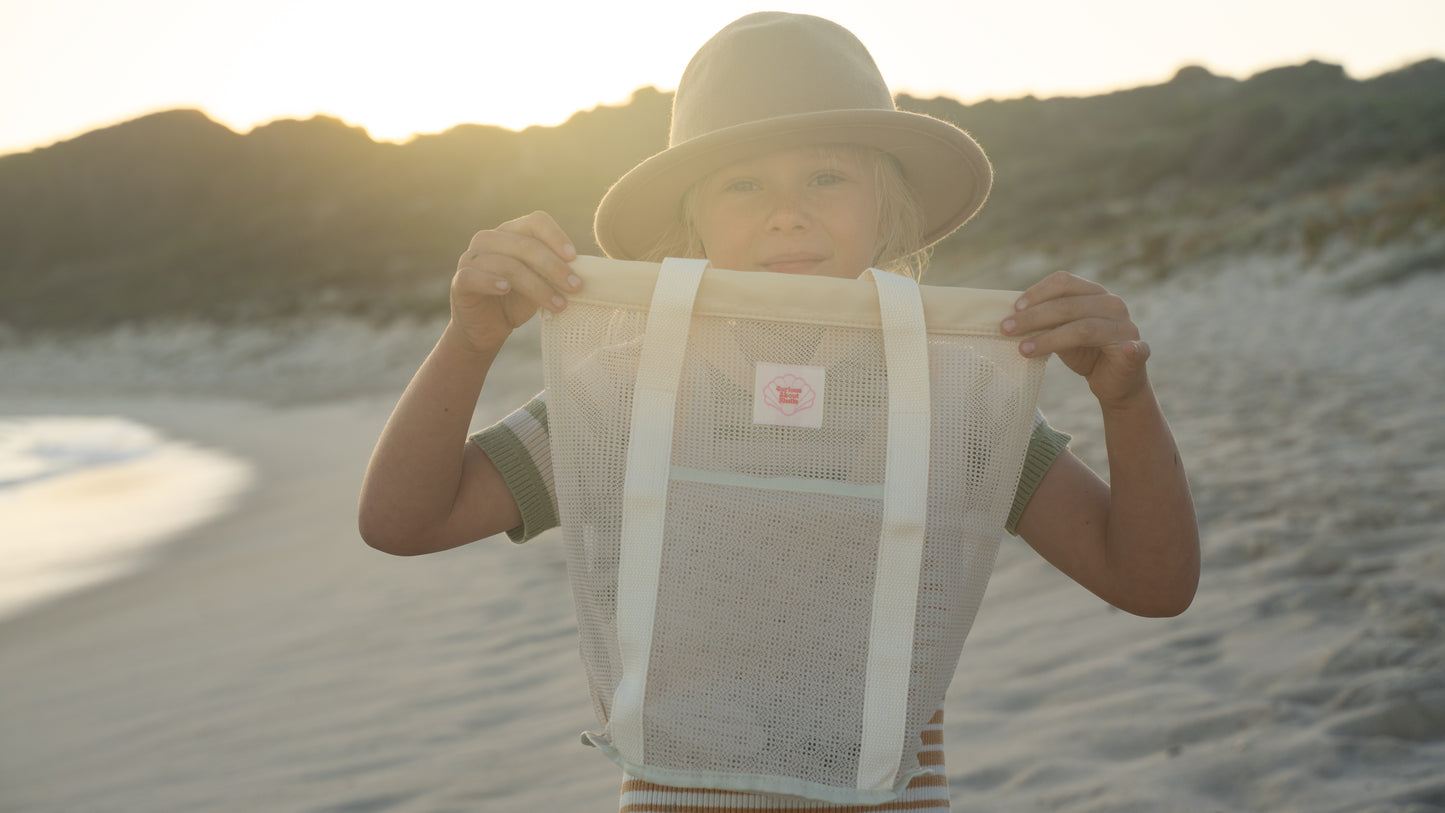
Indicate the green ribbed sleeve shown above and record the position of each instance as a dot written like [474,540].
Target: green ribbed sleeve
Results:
[521,450]
[1045,444]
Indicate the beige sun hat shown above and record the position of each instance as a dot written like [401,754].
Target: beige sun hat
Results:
[772,80]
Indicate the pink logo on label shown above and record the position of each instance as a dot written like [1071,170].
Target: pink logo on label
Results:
[789,394]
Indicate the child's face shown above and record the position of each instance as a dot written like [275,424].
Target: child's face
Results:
[796,211]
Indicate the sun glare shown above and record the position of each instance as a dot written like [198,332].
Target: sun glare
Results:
[442,64]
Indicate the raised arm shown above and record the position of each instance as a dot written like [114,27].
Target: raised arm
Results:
[1132,541]
[426,488]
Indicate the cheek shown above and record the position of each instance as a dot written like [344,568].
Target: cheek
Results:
[864,233]
[725,237]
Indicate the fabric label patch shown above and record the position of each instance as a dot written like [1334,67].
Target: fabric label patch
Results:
[788,395]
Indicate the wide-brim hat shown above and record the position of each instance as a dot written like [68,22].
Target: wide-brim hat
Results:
[773,80]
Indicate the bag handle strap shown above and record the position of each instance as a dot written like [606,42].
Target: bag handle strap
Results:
[644,492]
[900,546]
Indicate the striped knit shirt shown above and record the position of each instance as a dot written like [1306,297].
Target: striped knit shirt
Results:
[520,448]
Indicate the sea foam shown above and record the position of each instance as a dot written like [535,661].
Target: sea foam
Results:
[84,499]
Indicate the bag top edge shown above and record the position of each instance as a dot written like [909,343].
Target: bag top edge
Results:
[761,296]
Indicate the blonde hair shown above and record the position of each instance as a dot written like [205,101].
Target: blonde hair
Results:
[900,248]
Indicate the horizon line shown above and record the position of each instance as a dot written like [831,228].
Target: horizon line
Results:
[924,95]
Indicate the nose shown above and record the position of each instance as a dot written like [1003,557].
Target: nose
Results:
[787,212]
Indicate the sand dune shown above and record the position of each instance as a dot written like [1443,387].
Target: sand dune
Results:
[270,661]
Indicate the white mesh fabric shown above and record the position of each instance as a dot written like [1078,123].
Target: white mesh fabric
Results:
[759,639]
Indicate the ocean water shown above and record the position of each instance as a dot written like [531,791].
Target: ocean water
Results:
[85,499]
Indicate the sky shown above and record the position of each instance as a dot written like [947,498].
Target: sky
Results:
[420,66]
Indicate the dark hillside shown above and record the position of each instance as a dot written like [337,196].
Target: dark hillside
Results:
[1086,169]
[174,216]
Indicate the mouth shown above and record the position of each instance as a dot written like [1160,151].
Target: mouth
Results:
[791,264]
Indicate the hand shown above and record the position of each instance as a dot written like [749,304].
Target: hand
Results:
[506,274]
[1088,328]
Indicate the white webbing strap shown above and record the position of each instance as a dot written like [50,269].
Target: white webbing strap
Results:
[644,495]
[900,547]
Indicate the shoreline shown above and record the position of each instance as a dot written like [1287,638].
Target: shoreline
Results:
[94,496]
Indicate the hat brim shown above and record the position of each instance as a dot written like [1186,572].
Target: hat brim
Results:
[943,164]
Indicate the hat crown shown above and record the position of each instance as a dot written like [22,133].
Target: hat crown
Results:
[770,65]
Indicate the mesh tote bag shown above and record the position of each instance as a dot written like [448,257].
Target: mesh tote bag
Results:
[781,498]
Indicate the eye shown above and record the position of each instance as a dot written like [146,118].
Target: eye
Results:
[741,185]
[828,178]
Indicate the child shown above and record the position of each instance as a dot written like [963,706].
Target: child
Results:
[788,156]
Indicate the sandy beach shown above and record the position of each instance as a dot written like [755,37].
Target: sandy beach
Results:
[268,660]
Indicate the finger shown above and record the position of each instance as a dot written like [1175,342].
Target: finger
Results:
[1055,285]
[470,284]
[470,291]
[1134,352]
[1053,313]
[499,274]
[1092,332]
[497,250]
[543,227]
